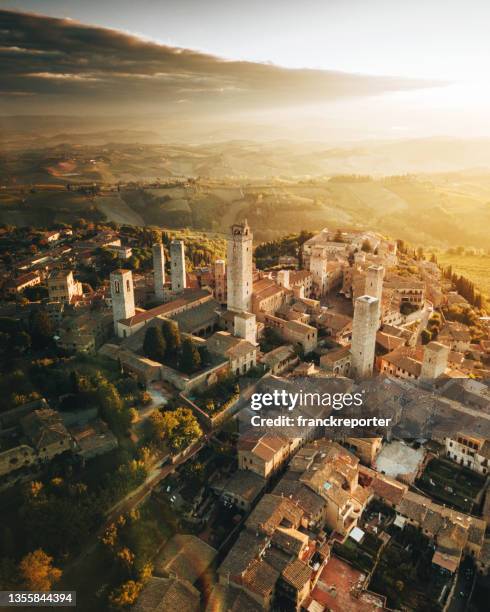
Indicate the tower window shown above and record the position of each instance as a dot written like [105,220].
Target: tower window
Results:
[117,287]
[128,285]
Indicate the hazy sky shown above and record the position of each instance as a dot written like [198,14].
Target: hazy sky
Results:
[441,40]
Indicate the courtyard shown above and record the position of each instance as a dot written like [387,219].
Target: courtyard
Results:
[451,484]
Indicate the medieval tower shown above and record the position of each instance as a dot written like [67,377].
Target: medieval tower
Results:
[239,268]
[435,360]
[220,281]
[177,266]
[374,285]
[318,269]
[122,294]
[364,328]
[158,270]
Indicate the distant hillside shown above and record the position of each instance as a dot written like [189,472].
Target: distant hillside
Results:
[210,186]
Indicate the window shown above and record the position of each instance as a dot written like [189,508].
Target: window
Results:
[128,285]
[117,287]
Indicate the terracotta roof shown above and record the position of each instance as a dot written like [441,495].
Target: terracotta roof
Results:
[260,577]
[448,561]
[166,310]
[225,344]
[310,502]
[163,594]
[289,540]
[414,506]
[335,354]
[272,511]
[265,446]
[245,484]
[297,573]
[44,427]
[247,548]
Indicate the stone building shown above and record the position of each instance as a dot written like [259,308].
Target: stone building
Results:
[471,451]
[263,454]
[337,361]
[62,286]
[44,436]
[16,285]
[294,332]
[241,354]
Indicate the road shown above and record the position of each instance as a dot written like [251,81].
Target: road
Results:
[462,590]
[131,502]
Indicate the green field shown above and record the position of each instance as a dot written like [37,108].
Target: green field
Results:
[474,267]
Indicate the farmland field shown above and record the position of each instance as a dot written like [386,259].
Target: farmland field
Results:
[474,267]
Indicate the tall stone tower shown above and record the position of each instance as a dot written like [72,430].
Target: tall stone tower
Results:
[239,268]
[283,278]
[374,284]
[318,269]
[220,281]
[122,294]
[364,328]
[435,359]
[177,263]
[158,270]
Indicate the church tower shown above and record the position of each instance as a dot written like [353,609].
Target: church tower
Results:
[122,294]
[239,268]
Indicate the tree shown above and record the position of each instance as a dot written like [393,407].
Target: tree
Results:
[41,329]
[38,572]
[425,336]
[126,595]
[178,428]
[21,342]
[154,345]
[366,246]
[190,360]
[112,409]
[171,333]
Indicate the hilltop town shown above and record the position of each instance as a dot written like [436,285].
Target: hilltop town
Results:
[129,356]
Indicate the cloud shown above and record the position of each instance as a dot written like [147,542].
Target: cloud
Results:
[69,66]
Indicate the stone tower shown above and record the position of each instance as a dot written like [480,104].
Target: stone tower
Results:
[177,263]
[364,328]
[239,268]
[318,269]
[245,326]
[122,294]
[158,270]
[435,360]
[220,281]
[283,278]
[374,284]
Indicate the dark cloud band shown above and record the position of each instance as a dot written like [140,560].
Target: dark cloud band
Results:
[67,63]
